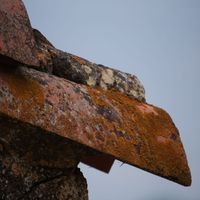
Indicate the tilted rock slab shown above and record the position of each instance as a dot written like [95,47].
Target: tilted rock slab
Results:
[57,109]
[107,121]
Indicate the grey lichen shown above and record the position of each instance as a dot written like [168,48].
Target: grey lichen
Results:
[82,71]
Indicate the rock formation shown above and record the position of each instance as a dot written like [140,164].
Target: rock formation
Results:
[57,109]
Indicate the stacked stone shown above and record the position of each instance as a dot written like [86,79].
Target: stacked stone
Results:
[57,109]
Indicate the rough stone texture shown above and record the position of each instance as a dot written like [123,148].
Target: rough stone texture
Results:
[107,121]
[35,164]
[22,44]
[72,110]
[82,71]
[16,36]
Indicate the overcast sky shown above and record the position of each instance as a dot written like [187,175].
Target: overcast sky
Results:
[157,40]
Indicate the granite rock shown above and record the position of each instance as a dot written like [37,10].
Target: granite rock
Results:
[17,42]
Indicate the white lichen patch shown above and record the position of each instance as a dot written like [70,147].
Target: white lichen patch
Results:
[103,85]
[87,69]
[133,93]
[91,81]
[81,71]
[108,76]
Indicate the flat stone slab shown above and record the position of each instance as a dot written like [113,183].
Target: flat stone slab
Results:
[110,122]
[16,36]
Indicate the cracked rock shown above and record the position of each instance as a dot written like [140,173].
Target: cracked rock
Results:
[33,166]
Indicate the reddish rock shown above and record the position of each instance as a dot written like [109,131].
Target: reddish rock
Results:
[17,42]
[107,121]
[68,110]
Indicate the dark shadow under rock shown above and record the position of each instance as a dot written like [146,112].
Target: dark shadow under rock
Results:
[38,165]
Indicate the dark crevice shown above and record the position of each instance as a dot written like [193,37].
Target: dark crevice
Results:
[4,145]
[39,183]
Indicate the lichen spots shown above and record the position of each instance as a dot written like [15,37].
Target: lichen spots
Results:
[108,76]
[105,120]
[87,69]
[146,135]
[78,59]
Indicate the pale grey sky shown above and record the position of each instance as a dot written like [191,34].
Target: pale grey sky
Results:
[157,40]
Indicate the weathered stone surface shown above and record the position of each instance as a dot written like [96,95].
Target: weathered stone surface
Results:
[108,121]
[72,110]
[16,36]
[19,43]
[35,164]
[82,71]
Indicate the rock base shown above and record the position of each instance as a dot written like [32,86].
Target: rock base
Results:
[33,165]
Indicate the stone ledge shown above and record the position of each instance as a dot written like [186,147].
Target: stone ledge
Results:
[106,121]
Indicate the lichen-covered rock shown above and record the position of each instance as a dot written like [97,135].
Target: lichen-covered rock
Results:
[19,43]
[35,164]
[82,71]
[49,121]
[106,121]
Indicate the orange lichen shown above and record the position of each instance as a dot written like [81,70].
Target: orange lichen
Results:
[21,87]
[107,121]
[147,127]
[80,60]
[147,109]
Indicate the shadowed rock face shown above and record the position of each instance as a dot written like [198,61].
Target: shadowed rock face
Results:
[33,165]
